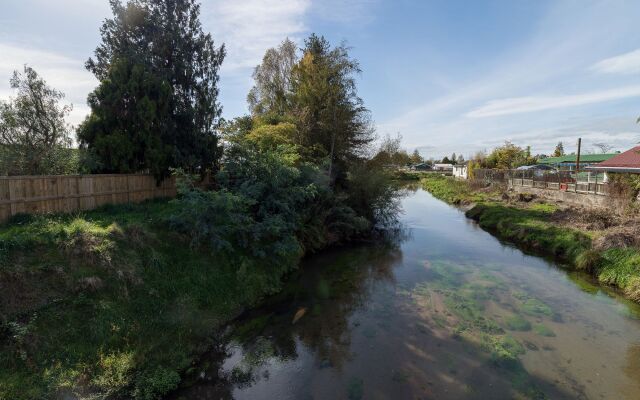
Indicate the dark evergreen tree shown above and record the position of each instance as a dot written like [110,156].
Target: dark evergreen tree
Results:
[162,43]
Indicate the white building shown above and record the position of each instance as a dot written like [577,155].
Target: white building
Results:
[442,167]
[461,171]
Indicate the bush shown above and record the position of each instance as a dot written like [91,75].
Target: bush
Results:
[153,384]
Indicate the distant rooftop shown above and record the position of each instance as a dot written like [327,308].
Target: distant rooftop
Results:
[584,158]
[629,161]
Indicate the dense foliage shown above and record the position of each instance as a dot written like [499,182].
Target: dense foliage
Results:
[34,137]
[156,106]
[316,92]
[508,156]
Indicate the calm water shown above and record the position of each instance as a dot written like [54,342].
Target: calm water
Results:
[450,313]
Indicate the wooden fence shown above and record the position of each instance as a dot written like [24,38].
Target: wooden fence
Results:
[67,193]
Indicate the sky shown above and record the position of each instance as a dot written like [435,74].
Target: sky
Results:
[448,75]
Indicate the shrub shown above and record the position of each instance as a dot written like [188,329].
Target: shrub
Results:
[152,384]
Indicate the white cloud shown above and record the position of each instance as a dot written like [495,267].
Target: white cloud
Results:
[628,63]
[518,105]
[249,27]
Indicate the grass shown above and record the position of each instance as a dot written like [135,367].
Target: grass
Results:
[451,190]
[531,227]
[112,302]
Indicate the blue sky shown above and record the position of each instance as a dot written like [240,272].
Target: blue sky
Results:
[447,75]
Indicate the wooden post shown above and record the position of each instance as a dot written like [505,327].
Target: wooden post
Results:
[128,190]
[578,164]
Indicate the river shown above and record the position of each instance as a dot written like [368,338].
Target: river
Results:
[448,313]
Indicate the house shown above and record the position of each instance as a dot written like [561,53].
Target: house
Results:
[443,167]
[538,170]
[627,162]
[461,171]
[568,163]
[421,167]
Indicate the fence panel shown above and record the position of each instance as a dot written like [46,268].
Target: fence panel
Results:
[66,193]
[583,182]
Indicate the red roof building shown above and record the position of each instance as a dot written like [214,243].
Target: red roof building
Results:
[629,161]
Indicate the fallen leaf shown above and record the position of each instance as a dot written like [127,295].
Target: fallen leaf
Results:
[299,314]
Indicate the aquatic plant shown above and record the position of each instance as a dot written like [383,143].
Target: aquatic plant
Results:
[543,330]
[517,323]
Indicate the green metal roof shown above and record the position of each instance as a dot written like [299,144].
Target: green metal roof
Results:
[571,158]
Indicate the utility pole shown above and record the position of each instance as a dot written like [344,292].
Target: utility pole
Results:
[578,158]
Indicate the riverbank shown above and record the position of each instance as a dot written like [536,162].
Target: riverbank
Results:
[598,242]
[114,302]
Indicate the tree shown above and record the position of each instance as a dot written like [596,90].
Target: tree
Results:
[445,160]
[34,137]
[559,150]
[326,106]
[508,156]
[165,40]
[603,147]
[460,159]
[416,158]
[129,128]
[390,153]
[271,92]
[453,158]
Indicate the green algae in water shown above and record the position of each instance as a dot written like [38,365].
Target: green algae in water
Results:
[355,389]
[543,330]
[517,323]
[536,307]
[504,350]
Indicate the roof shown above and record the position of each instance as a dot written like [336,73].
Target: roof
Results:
[537,166]
[584,158]
[629,160]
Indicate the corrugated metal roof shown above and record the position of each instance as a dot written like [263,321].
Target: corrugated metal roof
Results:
[628,159]
[584,158]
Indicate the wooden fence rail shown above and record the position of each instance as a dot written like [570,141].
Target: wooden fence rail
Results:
[67,193]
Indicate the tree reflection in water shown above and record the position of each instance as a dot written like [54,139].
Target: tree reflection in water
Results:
[329,287]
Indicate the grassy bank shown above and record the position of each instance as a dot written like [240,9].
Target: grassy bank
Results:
[535,226]
[113,302]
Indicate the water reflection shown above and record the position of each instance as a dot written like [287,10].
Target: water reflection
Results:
[451,313]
